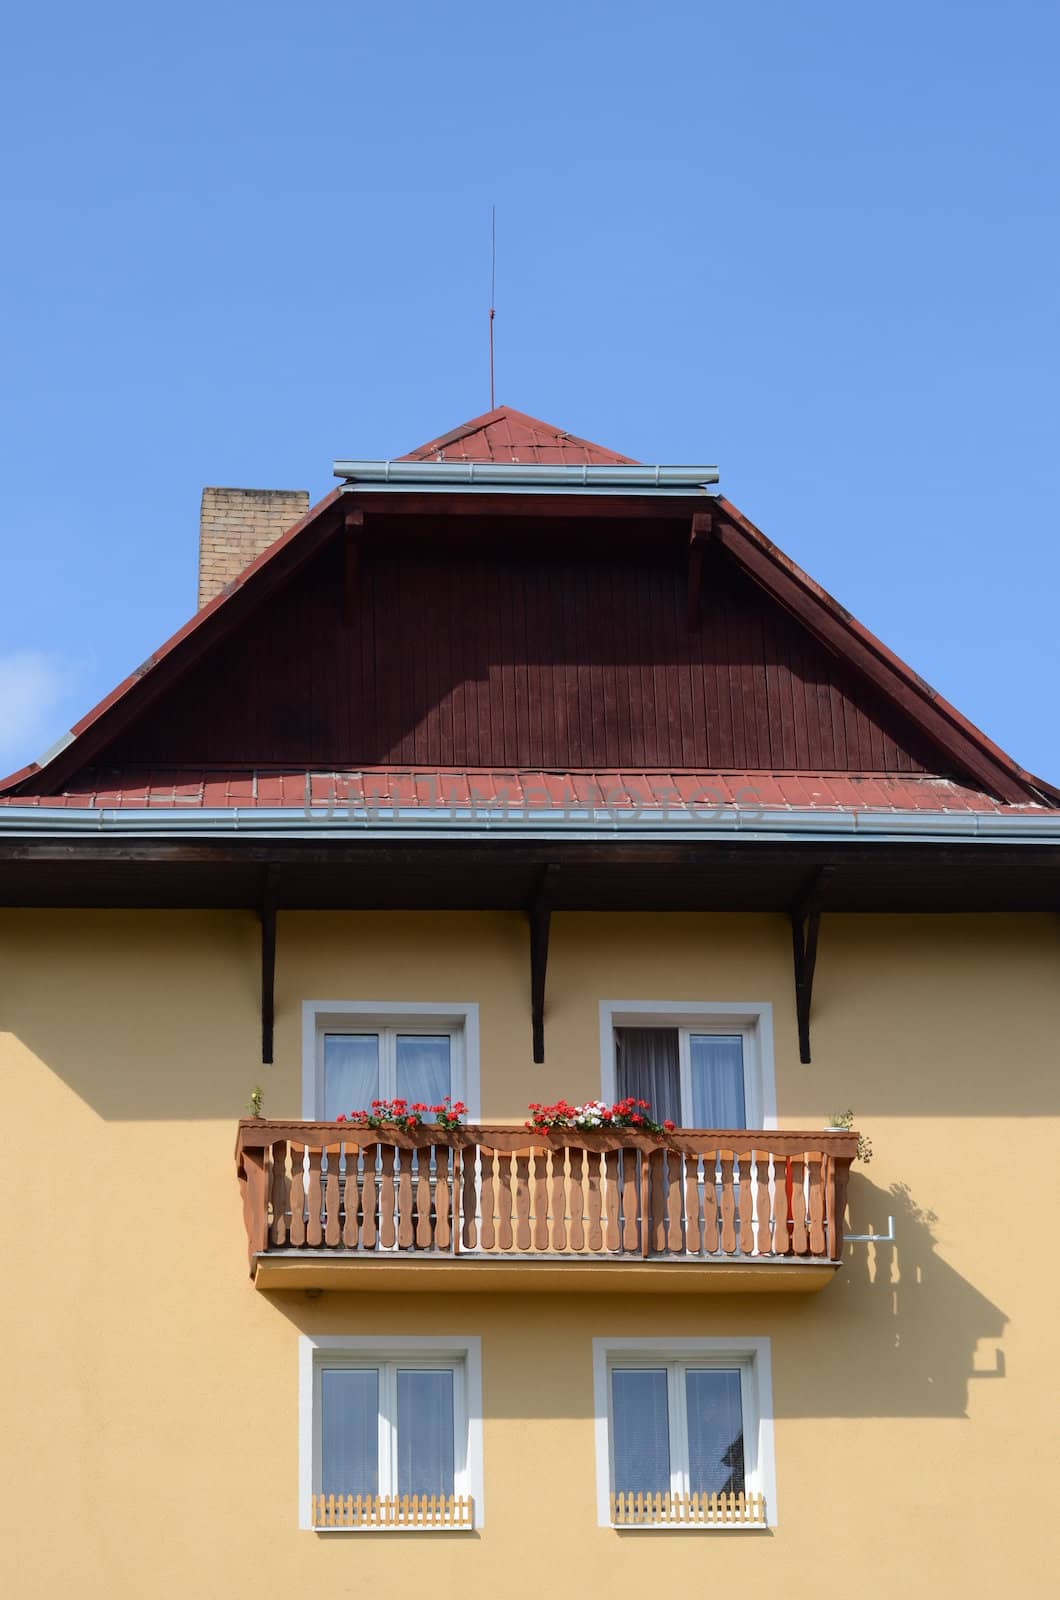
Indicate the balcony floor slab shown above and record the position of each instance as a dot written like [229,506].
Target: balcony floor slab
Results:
[497,1274]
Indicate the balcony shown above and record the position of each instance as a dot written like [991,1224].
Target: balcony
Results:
[493,1208]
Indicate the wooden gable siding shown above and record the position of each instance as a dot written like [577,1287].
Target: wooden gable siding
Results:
[519,658]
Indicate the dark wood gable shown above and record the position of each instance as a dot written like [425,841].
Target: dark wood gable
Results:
[551,646]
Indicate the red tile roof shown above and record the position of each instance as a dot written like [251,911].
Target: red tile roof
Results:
[509,435]
[417,788]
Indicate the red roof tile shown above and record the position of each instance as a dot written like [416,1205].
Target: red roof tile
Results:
[417,788]
[509,435]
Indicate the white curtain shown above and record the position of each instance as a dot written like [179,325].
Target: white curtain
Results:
[717,1081]
[647,1066]
[641,1430]
[351,1073]
[349,1430]
[423,1067]
[715,1431]
[425,1437]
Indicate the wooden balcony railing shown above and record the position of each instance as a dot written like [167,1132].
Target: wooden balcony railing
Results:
[688,1511]
[392,1511]
[498,1192]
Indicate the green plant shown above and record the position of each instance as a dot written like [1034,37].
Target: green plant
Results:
[256,1101]
[845,1119]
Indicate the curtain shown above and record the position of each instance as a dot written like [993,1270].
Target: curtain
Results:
[423,1068]
[351,1073]
[641,1430]
[717,1081]
[715,1431]
[349,1430]
[425,1436]
[647,1066]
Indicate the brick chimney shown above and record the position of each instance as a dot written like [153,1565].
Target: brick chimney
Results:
[236,525]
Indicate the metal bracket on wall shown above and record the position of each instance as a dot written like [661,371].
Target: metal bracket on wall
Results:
[872,1238]
[267,917]
[805,929]
[539,912]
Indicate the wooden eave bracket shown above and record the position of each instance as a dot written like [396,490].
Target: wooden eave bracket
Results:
[702,532]
[354,526]
[539,913]
[267,917]
[805,929]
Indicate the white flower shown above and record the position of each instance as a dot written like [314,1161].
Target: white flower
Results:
[590,1115]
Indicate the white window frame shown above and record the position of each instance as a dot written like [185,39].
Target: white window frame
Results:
[752,1020]
[463,1356]
[750,1355]
[459,1019]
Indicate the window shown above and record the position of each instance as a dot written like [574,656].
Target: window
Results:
[387,1428]
[678,1426]
[385,1064]
[389,1422]
[356,1052]
[676,1429]
[694,1079]
[700,1066]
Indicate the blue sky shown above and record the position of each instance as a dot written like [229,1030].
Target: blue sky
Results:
[815,243]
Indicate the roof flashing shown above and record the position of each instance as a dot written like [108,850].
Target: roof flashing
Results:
[62,743]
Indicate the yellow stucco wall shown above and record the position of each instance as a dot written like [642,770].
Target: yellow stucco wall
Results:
[148,1394]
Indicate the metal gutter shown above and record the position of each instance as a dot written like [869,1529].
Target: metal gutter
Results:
[583,824]
[524,476]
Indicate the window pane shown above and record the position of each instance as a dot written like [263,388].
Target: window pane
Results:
[715,1432]
[423,1072]
[641,1429]
[349,1430]
[717,1081]
[425,1437]
[351,1073]
[647,1066]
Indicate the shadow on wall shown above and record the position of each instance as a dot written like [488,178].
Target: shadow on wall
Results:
[155,1016]
[901,1328]
[896,1335]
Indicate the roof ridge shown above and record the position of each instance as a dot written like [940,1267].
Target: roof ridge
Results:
[549,437]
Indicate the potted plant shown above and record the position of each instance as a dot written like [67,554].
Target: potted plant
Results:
[845,1120]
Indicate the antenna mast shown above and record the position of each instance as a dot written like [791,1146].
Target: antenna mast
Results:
[493,294]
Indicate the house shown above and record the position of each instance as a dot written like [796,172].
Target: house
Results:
[518,777]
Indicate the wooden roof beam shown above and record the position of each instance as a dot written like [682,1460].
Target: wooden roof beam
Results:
[539,913]
[702,530]
[353,523]
[267,918]
[805,929]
